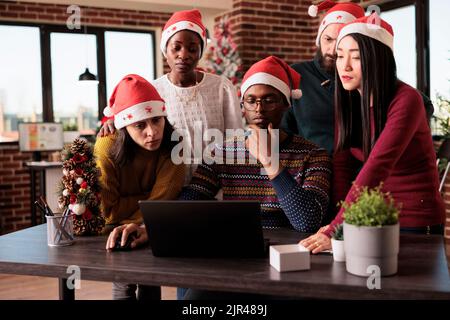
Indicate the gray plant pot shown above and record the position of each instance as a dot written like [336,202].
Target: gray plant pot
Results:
[371,246]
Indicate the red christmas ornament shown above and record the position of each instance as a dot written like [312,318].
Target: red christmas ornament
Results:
[87,215]
[79,158]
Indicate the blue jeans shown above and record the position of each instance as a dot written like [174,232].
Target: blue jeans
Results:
[181,293]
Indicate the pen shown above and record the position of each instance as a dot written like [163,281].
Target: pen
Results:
[40,207]
[62,226]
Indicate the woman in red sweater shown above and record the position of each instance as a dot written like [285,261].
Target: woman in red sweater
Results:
[382,133]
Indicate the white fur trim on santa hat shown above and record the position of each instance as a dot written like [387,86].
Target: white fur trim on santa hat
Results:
[139,112]
[268,79]
[371,30]
[334,17]
[182,25]
[313,10]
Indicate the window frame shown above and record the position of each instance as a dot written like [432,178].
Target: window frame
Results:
[46,69]
[422,32]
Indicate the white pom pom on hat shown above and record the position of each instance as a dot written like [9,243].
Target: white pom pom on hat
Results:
[108,112]
[296,94]
[313,10]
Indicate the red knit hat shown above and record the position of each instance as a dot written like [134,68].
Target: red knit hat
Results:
[134,99]
[274,72]
[342,12]
[371,26]
[183,20]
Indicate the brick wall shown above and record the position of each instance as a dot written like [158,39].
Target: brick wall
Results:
[15,213]
[273,27]
[446,193]
[276,27]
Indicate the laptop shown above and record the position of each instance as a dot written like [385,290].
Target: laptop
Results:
[204,228]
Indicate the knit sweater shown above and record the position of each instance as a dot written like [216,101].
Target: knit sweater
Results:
[403,158]
[212,104]
[150,176]
[297,197]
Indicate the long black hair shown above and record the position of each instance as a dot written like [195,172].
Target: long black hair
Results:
[124,148]
[379,78]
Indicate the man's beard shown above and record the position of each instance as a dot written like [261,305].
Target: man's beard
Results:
[329,65]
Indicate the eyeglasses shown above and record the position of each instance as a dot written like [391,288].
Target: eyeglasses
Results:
[268,103]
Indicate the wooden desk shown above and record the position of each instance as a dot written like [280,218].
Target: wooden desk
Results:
[423,272]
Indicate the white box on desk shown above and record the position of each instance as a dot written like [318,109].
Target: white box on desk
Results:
[290,257]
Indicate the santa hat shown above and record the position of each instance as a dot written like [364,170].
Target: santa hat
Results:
[343,12]
[183,20]
[371,26]
[134,99]
[274,72]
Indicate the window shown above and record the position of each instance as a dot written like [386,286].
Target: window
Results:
[20,78]
[439,49]
[403,20]
[439,65]
[40,67]
[127,52]
[75,103]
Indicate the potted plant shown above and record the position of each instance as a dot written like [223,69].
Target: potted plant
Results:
[372,232]
[337,243]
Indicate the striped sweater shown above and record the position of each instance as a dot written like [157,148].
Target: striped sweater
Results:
[297,197]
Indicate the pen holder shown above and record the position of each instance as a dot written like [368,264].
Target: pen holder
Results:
[59,230]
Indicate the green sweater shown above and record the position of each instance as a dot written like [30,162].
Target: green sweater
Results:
[312,116]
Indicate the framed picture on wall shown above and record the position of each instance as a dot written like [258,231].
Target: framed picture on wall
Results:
[40,136]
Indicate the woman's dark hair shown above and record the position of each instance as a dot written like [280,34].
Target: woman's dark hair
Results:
[124,148]
[379,78]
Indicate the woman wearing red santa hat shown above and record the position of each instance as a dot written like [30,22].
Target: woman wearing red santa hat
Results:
[381,128]
[135,165]
[193,98]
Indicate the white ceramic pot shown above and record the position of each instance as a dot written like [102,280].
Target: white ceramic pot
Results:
[371,246]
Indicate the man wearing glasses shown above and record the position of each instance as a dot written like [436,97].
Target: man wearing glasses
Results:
[293,192]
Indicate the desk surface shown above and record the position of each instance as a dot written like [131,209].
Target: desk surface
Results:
[423,272]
